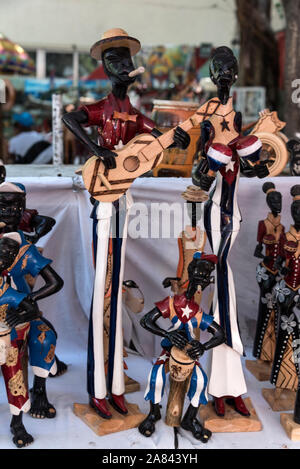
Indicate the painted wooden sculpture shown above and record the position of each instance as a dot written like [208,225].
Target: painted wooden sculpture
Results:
[285,370]
[40,336]
[269,236]
[17,309]
[181,352]
[34,225]
[107,176]
[190,240]
[226,153]
[136,306]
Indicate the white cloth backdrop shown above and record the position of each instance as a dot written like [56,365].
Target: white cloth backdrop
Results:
[148,261]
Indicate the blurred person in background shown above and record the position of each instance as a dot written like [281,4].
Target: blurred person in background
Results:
[28,145]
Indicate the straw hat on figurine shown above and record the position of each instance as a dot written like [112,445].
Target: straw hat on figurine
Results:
[115,37]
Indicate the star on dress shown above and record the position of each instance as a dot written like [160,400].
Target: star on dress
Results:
[229,166]
[224,124]
[186,311]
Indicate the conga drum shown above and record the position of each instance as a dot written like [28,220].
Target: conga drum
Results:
[167,115]
[180,368]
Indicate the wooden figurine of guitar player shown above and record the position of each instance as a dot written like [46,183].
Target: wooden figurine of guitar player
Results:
[118,123]
[181,351]
[269,237]
[225,153]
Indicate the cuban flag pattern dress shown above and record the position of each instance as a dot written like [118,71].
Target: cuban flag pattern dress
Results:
[222,220]
[186,316]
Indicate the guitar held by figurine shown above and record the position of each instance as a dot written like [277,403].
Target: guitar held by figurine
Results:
[142,154]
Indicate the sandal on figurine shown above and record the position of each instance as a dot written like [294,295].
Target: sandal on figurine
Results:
[61,368]
[239,406]
[219,406]
[20,436]
[147,426]
[100,406]
[118,403]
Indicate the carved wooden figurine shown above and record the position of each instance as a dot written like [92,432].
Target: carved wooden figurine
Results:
[16,309]
[269,236]
[181,352]
[225,153]
[285,370]
[41,337]
[35,226]
[118,122]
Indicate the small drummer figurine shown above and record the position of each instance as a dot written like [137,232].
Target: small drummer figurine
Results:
[185,316]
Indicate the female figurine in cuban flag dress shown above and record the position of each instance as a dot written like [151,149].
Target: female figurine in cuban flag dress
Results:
[227,153]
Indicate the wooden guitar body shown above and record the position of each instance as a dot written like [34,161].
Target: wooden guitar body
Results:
[108,185]
[143,153]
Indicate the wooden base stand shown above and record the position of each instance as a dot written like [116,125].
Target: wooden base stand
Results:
[280,399]
[292,428]
[117,423]
[232,422]
[131,385]
[260,369]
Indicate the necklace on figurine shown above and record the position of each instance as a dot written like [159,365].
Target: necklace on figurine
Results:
[274,224]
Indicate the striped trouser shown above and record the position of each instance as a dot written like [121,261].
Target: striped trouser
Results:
[109,226]
[197,393]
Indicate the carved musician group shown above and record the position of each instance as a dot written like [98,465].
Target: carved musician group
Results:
[129,145]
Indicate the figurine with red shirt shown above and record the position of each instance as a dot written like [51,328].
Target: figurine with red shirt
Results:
[186,317]
[118,122]
[269,235]
[286,372]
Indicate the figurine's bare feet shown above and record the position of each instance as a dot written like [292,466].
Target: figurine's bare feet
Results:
[118,403]
[190,423]
[239,405]
[147,426]
[40,406]
[219,406]
[20,436]
[100,406]
[61,368]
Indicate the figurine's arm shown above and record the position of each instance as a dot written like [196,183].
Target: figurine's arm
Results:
[42,226]
[74,121]
[149,322]
[26,311]
[53,283]
[181,138]
[218,338]
[261,231]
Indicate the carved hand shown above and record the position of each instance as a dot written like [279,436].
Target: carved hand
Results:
[177,338]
